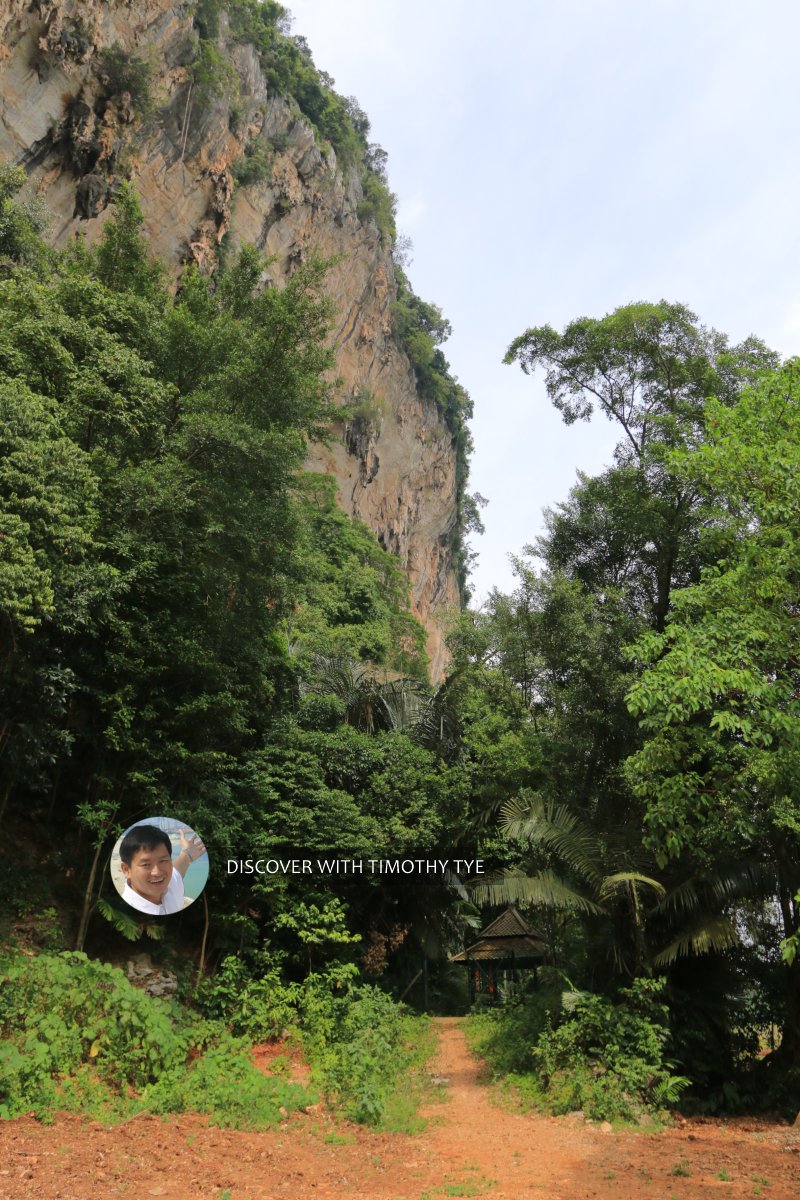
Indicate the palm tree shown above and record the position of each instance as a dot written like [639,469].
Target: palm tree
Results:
[372,704]
[610,883]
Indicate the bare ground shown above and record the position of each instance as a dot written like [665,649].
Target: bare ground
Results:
[471,1147]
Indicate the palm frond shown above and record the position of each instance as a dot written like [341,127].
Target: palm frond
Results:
[741,881]
[555,827]
[544,888]
[704,936]
[453,881]
[437,727]
[334,675]
[623,844]
[374,704]
[615,883]
[405,701]
[685,898]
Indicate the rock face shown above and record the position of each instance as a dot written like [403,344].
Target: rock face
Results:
[78,128]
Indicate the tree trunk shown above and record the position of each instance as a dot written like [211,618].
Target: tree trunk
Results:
[202,965]
[664,566]
[788,1053]
[88,899]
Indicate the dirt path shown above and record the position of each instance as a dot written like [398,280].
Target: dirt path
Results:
[561,1158]
[471,1147]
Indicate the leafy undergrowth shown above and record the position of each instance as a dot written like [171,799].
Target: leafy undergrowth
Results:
[367,1056]
[573,1052]
[78,1037]
[365,1051]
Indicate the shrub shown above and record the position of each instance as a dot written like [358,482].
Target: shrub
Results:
[125,72]
[254,166]
[77,1036]
[378,204]
[20,223]
[420,328]
[360,1043]
[226,1085]
[60,1014]
[212,75]
[505,1037]
[364,410]
[607,1058]
[576,1051]
[206,18]
[257,1008]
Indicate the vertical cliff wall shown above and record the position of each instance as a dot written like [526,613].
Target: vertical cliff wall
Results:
[73,111]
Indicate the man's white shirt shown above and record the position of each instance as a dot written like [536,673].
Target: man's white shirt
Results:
[171,901]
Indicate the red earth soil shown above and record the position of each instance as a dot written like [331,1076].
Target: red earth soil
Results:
[471,1147]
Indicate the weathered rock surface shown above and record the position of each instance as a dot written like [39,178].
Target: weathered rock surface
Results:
[144,974]
[58,117]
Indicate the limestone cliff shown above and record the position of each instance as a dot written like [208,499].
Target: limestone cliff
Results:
[74,118]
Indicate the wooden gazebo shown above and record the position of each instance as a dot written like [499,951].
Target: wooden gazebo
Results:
[507,946]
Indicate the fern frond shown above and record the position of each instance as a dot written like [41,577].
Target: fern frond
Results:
[123,922]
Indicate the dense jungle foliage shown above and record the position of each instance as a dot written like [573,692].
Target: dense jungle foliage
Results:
[189,624]
[185,612]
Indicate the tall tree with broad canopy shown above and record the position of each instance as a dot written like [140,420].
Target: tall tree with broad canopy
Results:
[650,368]
[612,556]
[719,699]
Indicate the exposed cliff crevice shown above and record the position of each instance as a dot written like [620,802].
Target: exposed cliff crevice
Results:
[95,92]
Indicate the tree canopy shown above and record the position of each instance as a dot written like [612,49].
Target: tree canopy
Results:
[719,698]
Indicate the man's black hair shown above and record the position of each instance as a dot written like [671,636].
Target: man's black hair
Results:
[143,837]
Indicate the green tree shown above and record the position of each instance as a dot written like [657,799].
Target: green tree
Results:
[150,451]
[352,599]
[719,697]
[20,223]
[649,368]
[609,562]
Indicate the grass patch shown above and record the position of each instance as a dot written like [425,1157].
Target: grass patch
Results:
[332,1138]
[478,1186]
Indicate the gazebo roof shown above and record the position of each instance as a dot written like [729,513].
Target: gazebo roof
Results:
[507,936]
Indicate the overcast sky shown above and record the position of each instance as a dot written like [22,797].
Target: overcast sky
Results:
[558,159]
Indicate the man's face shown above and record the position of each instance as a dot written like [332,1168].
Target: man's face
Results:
[149,873]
